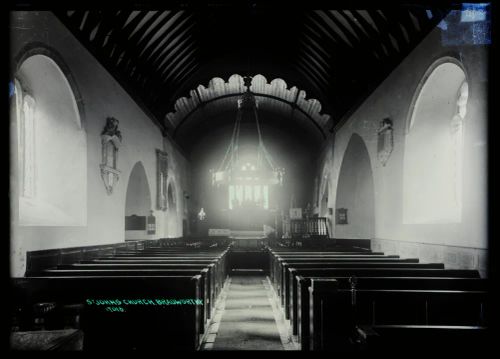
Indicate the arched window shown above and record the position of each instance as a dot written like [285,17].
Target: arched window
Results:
[52,150]
[432,178]
[25,112]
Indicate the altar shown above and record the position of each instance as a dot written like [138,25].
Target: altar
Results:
[248,239]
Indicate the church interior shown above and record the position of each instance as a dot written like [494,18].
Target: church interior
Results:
[250,177]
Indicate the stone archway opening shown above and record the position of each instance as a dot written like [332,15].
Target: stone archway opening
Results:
[137,204]
[355,193]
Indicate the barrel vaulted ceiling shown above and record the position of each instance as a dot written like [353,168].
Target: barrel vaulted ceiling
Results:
[317,63]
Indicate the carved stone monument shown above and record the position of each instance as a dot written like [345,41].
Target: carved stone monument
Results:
[111,139]
[385,143]
[161,180]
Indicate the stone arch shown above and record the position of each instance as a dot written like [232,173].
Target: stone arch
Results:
[38,48]
[450,59]
[138,203]
[138,195]
[171,196]
[355,192]
[174,216]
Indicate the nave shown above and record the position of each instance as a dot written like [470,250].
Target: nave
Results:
[344,299]
[252,178]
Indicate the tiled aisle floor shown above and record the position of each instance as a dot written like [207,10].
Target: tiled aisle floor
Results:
[244,319]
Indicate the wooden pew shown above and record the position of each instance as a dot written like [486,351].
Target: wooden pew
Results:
[220,268]
[215,262]
[176,253]
[276,264]
[439,338]
[215,279]
[274,255]
[368,272]
[153,254]
[321,254]
[335,313]
[180,260]
[277,270]
[277,276]
[140,327]
[206,284]
[288,275]
[165,255]
[367,262]
[221,262]
[211,279]
[333,247]
[217,268]
[300,302]
[307,250]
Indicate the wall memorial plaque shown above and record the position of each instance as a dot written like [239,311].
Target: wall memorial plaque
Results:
[111,139]
[385,143]
[161,180]
[341,217]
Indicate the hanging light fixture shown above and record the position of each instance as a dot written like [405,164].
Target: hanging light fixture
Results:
[247,182]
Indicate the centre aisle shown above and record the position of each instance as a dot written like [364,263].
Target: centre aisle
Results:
[248,321]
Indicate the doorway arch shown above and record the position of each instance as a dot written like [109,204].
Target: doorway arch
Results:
[355,192]
[137,203]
